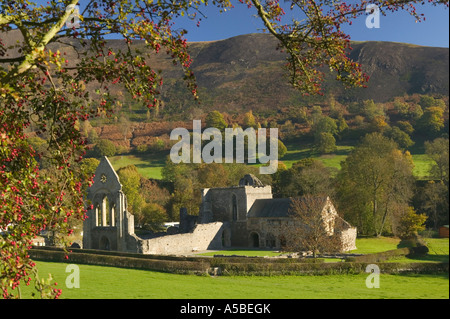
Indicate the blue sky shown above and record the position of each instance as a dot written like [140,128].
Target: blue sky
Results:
[396,27]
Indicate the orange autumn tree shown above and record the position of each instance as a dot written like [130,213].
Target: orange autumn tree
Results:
[44,92]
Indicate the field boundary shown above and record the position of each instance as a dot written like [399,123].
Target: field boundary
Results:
[123,260]
[258,266]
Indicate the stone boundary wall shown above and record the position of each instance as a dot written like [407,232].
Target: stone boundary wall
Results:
[203,237]
[348,239]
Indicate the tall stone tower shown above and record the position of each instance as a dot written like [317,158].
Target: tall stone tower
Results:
[230,205]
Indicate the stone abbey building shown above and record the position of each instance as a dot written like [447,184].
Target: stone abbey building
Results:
[245,215]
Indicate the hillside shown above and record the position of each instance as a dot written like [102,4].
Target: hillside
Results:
[246,72]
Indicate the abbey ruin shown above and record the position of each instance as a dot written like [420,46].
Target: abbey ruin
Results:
[245,215]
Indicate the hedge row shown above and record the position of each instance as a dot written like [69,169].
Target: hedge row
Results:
[268,269]
[385,255]
[237,265]
[262,260]
[172,266]
[121,254]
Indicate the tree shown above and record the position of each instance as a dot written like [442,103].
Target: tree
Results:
[342,126]
[406,127]
[104,148]
[306,177]
[131,184]
[325,143]
[89,165]
[151,217]
[403,140]
[249,120]
[410,224]
[432,120]
[374,179]
[309,230]
[434,202]
[325,124]
[438,151]
[215,119]
[54,92]
[213,175]
[282,149]
[372,110]
[324,129]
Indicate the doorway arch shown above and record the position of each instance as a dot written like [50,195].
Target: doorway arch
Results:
[226,237]
[254,240]
[104,243]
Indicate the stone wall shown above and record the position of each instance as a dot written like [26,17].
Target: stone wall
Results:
[348,239]
[217,203]
[203,237]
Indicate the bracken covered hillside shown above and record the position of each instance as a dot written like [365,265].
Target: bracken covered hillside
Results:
[246,72]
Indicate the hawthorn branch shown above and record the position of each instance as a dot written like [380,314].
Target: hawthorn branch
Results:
[282,38]
[38,48]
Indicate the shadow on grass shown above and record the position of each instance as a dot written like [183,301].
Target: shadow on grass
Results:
[431,256]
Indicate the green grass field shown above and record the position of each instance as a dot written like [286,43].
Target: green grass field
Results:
[149,166]
[119,283]
[109,282]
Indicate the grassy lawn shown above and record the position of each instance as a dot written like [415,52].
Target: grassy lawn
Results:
[375,245]
[149,166]
[109,282]
[422,166]
[438,251]
[296,153]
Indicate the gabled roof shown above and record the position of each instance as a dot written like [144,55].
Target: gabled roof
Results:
[273,207]
[105,177]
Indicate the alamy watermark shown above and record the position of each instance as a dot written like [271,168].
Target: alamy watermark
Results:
[373,19]
[213,151]
[373,280]
[73,279]
[74,18]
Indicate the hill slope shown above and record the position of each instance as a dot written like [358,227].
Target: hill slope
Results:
[247,72]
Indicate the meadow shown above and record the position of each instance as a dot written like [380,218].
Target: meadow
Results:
[148,165]
[120,283]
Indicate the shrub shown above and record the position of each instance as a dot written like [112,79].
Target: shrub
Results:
[142,148]
[104,148]
[410,224]
[325,143]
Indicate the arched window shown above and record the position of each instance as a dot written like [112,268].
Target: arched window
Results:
[113,215]
[98,215]
[106,218]
[234,208]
